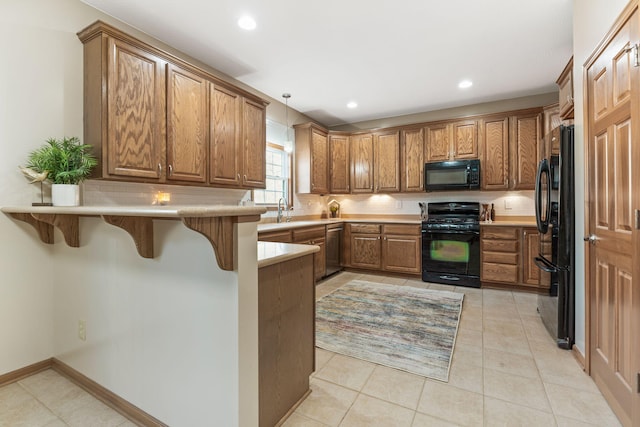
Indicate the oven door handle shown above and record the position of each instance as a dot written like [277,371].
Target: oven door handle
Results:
[477,233]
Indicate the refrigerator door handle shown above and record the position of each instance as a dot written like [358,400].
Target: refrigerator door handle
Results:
[544,265]
[543,222]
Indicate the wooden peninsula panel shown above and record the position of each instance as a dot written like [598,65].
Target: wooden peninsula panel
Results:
[286,337]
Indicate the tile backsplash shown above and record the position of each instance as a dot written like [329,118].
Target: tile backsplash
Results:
[113,193]
[110,193]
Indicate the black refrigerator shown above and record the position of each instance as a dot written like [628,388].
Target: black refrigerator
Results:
[555,217]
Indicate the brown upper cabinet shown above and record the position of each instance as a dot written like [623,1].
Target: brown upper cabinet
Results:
[494,137]
[312,154]
[254,144]
[412,149]
[523,145]
[339,164]
[452,141]
[565,85]
[375,162]
[187,125]
[392,160]
[510,147]
[551,118]
[134,106]
[362,163]
[225,161]
[387,161]
[152,117]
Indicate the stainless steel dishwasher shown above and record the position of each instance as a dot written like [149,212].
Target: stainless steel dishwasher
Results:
[334,248]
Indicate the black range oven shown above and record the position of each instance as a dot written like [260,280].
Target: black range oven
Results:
[451,244]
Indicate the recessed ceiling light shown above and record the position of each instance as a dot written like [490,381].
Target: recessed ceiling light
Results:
[247,23]
[465,84]
[352,104]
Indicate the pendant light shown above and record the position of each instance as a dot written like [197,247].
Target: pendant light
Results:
[288,144]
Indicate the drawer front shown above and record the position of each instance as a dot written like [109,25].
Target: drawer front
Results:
[408,229]
[276,236]
[500,257]
[510,246]
[506,233]
[492,272]
[308,233]
[365,228]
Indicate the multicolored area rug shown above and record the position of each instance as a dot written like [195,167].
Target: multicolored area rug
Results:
[402,327]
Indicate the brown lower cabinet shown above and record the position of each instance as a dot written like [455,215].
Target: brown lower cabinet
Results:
[384,247]
[314,235]
[507,257]
[286,336]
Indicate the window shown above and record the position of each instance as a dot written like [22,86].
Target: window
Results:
[278,166]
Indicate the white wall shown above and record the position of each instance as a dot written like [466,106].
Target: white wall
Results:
[39,99]
[163,333]
[592,19]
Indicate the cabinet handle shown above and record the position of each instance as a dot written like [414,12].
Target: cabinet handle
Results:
[159,169]
[245,177]
[378,237]
[313,186]
[238,177]
[170,170]
[385,237]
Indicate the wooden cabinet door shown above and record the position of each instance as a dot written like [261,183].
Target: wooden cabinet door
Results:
[254,144]
[401,253]
[387,162]
[361,163]
[412,160]
[136,112]
[494,137]
[319,163]
[551,118]
[530,247]
[565,86]
[225,152]
[525,134]
[339,164]
[320,259]
[366,251]
[464,144]
[187,126]
[438,143]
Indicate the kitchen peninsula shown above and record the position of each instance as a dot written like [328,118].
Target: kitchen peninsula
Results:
[230,311]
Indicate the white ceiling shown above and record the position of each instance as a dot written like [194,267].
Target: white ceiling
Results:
[392,57]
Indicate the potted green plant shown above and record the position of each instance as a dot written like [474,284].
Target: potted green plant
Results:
[66,163]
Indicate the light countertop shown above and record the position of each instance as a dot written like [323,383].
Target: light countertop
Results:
[273,253]
[170,211]
[274,226]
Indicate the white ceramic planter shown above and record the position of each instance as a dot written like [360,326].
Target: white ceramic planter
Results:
[65,194]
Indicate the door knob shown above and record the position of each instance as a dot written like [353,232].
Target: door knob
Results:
[591,238]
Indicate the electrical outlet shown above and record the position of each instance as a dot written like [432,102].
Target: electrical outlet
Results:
[82,330]
[507,204]
[398,204]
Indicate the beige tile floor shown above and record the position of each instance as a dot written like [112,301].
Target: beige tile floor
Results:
[506,371]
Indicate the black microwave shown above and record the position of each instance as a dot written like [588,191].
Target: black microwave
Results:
[452,175]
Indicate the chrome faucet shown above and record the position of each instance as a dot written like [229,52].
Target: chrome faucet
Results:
[282,204]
